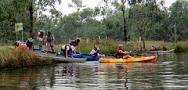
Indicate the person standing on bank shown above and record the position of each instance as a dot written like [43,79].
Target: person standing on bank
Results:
[40,39]
[50,41]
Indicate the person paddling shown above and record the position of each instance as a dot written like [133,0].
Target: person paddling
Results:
[120,53]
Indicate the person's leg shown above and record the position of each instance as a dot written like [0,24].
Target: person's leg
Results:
[48,46]
[40,45]
[127,56]
[51,46]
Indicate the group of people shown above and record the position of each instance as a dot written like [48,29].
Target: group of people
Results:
[48,40]
[70,47]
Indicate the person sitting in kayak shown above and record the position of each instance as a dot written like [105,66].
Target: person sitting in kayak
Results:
[95,51]
[120,53]
[153,48]
[70,48]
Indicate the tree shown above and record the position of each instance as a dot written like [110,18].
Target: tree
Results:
[178,19]
[25,11]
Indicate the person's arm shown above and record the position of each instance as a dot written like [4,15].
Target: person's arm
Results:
[124,52]
[78,48]
[66,52]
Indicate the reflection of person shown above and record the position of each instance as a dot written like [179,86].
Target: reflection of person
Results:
[120,53]
[95,51]
[70,48]
[50,41]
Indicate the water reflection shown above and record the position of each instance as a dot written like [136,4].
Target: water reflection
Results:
[25,79]
[171,72]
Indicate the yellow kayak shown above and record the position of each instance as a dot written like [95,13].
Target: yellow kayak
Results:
[144,59]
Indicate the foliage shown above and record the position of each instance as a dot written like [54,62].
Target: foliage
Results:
[148,19]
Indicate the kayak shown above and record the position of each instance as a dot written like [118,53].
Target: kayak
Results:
[143,59]
[88,56]
[161,51]
[55,55]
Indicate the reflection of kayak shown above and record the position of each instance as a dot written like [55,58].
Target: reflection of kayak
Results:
[160,51]
[152,59]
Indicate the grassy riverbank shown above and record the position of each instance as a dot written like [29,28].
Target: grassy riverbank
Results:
[10,57]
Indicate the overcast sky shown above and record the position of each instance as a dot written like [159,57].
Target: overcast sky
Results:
[90,3]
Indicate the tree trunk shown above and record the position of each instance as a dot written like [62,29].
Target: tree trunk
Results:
[31,19]
[124,24]
[142,39]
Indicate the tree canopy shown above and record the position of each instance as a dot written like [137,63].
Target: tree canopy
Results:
[148,19]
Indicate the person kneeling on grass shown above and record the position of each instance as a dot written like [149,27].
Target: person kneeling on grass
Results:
[120,53]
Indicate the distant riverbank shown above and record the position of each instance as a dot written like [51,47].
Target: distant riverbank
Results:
[109,46]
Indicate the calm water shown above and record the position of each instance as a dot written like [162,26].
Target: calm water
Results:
[170,72]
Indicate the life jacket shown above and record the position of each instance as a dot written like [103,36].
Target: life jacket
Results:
[68,48]
[95,51]
[119,55]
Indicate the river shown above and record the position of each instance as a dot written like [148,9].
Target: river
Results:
[170,72]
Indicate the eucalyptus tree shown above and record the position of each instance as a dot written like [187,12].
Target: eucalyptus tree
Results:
[178,20]
[120,5]
[25,11]
[37,7]
[145,19]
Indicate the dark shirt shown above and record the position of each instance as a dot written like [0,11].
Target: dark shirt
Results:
[118,54]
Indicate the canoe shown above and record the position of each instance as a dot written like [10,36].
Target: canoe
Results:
[143,59]
[161,51]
